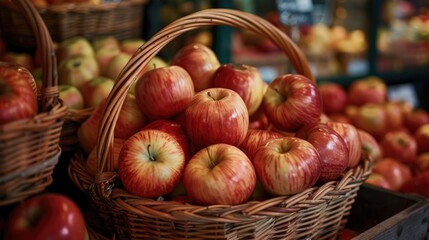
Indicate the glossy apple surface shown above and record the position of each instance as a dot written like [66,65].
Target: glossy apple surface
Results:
[256,138]
[291,102]
[151,163]
[219,174]
[334,97]
[287,165]
[350,136]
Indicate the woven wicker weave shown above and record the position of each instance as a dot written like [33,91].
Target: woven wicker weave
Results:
[317,213]
[29,148]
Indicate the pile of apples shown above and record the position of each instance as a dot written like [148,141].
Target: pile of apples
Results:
[401,132]
[200,132]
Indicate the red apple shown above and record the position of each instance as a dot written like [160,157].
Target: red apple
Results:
[334,97]
[333,151]
[200,62]
[46,216]
[259,120]
[287,165]
[151,163]
[416,118]
[243,79]
[174,129]
[71,96]
[291,102]
[254,139]
[18,93]
[164,92]
[216,115]
[378,180]
[422,162]
[351,137]
[418,184]
[131,45]
[130,121]
[370,146]
[219,174]
[371,118]
[96,89]
[74,46]
[394,116]
[77,70]
[368,90]
[421,135]
[394,171]
[91,161]
[399,145]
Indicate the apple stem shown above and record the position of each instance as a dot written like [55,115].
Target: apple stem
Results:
[151,157]
[210,94]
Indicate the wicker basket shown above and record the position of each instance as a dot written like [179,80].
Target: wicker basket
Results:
[317,213]
[69,141]
[120,19]
[29,148]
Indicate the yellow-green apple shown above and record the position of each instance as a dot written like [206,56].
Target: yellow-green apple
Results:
[339,117]
[243,79]
[399,145]
[421,135]
[130,121]
[370,146]
[287,165]
[422,162]
[151,163]
[96,90]
[164,92]
[394,116]
[216,115]
[333,151]
[255,138]
[367,90]
[416,118]
[77,70]
[219,174]
[334,97]
[46,216]
[156,62]
[176,130]
[292,101]
[104,56]
[23,59]
[371,117]
[350,136]
[105,42]
[131,45]
[378,180]
[394,171]
[18,93]
[116,64]
[200,62]
[71,96]
[74,46]
[91,161]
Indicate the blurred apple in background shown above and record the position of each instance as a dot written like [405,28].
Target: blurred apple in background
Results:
[244,80]
[394,171]
[105,42]
[399,145]
[422,162]
[156,62]
[78,69]
[116,64]
[74,46]
[71,96]
[334,97]
[367,90]
[131,45]
[200,62]
[378,180]
[104,56]
[370,146]
[416,118]
[371,118]
[23,59]
[96,90]
[394,116]
[421,135]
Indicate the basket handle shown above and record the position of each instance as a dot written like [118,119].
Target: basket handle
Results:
[49,91]
[208,17]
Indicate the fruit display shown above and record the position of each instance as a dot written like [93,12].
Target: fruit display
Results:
[393,132]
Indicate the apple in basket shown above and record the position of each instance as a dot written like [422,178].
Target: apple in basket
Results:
[18,93]
[254,139]
[130,121]
[116,64]
[76,70]
[71,96]
[370,146]
[219,174]
[151,163]
[105,42]
[350,136]
[216,115]
[103,56]
[333,151]
[200,62]
[164,92]
[91,161]
[243,79]
[292,101]
[46,216]
[96,89]
[131,45]
[287,165]
[74,46]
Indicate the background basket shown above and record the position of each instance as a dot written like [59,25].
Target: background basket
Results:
[317,213]
[29,148]
[120,19]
